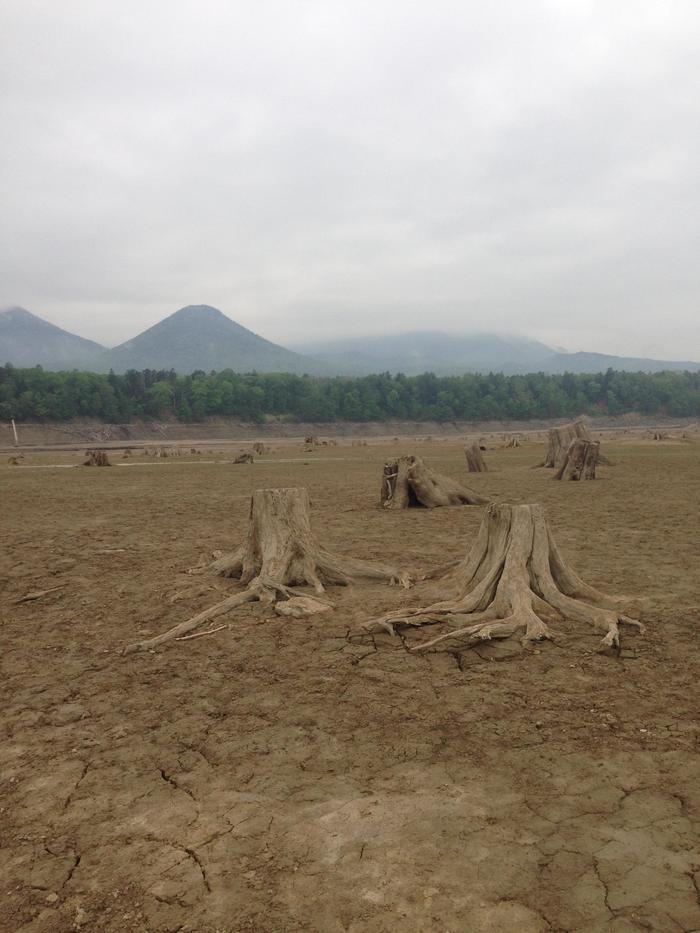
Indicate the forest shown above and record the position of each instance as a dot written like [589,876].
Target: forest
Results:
[37,395]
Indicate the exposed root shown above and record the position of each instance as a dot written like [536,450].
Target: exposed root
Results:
[513,581]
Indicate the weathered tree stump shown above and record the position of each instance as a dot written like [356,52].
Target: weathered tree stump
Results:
[475,459]
[281,552]
[513,575]
[244,458]
[513,441]
[259,449]
[559,440]
[580,461]
[408,482]
[96,458]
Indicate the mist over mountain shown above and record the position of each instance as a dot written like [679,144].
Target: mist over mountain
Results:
[430,351]
[583,362]
[199,337]
[28,340]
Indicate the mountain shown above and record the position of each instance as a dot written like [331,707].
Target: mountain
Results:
[430,351]
[201,337]
[599,362]
[28,340]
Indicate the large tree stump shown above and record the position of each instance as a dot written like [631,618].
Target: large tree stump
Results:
[512,577]
[580,461]
[408,482]
[280,552]
[475,460]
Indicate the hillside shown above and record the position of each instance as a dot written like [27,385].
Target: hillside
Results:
[201,337]
[28,340]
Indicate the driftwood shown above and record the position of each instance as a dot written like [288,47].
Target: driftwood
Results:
[475,460]
[408,482]
[580,461]
[513,581]
[97,458]
[280,552]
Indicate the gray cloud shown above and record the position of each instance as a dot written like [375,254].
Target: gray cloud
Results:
[320,168]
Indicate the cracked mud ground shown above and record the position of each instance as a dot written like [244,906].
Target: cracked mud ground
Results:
[275,777]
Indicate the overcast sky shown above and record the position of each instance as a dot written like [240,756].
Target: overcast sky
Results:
[325,168]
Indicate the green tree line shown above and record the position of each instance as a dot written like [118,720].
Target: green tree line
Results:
[36,395]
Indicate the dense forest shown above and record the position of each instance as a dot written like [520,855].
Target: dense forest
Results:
[36,395]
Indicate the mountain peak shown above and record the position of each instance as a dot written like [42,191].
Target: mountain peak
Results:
[202,337]
[16,313]
[201,311]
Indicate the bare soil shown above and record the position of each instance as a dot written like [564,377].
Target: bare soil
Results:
[277,776]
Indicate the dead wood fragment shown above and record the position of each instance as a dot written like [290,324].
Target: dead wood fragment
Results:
[210,631]
[30,597]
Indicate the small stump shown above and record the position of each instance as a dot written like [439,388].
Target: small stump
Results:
[475,460]
[97,458]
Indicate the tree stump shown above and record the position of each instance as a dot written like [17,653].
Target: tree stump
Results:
[97,458]
[513,441]
[259,449]
[559,440]
[408,483]
[280,552]
[475,460]
[513,575]
[580,461]
[244,458]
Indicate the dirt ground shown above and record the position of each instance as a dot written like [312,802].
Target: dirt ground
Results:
[276,776]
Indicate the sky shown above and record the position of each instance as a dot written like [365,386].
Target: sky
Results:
[317,169]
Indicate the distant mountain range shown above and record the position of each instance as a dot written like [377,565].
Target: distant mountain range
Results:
[201,337]
[430,351]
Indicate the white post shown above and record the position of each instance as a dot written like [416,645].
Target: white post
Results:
[14,431]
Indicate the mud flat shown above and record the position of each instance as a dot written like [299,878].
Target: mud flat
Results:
[276,776]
